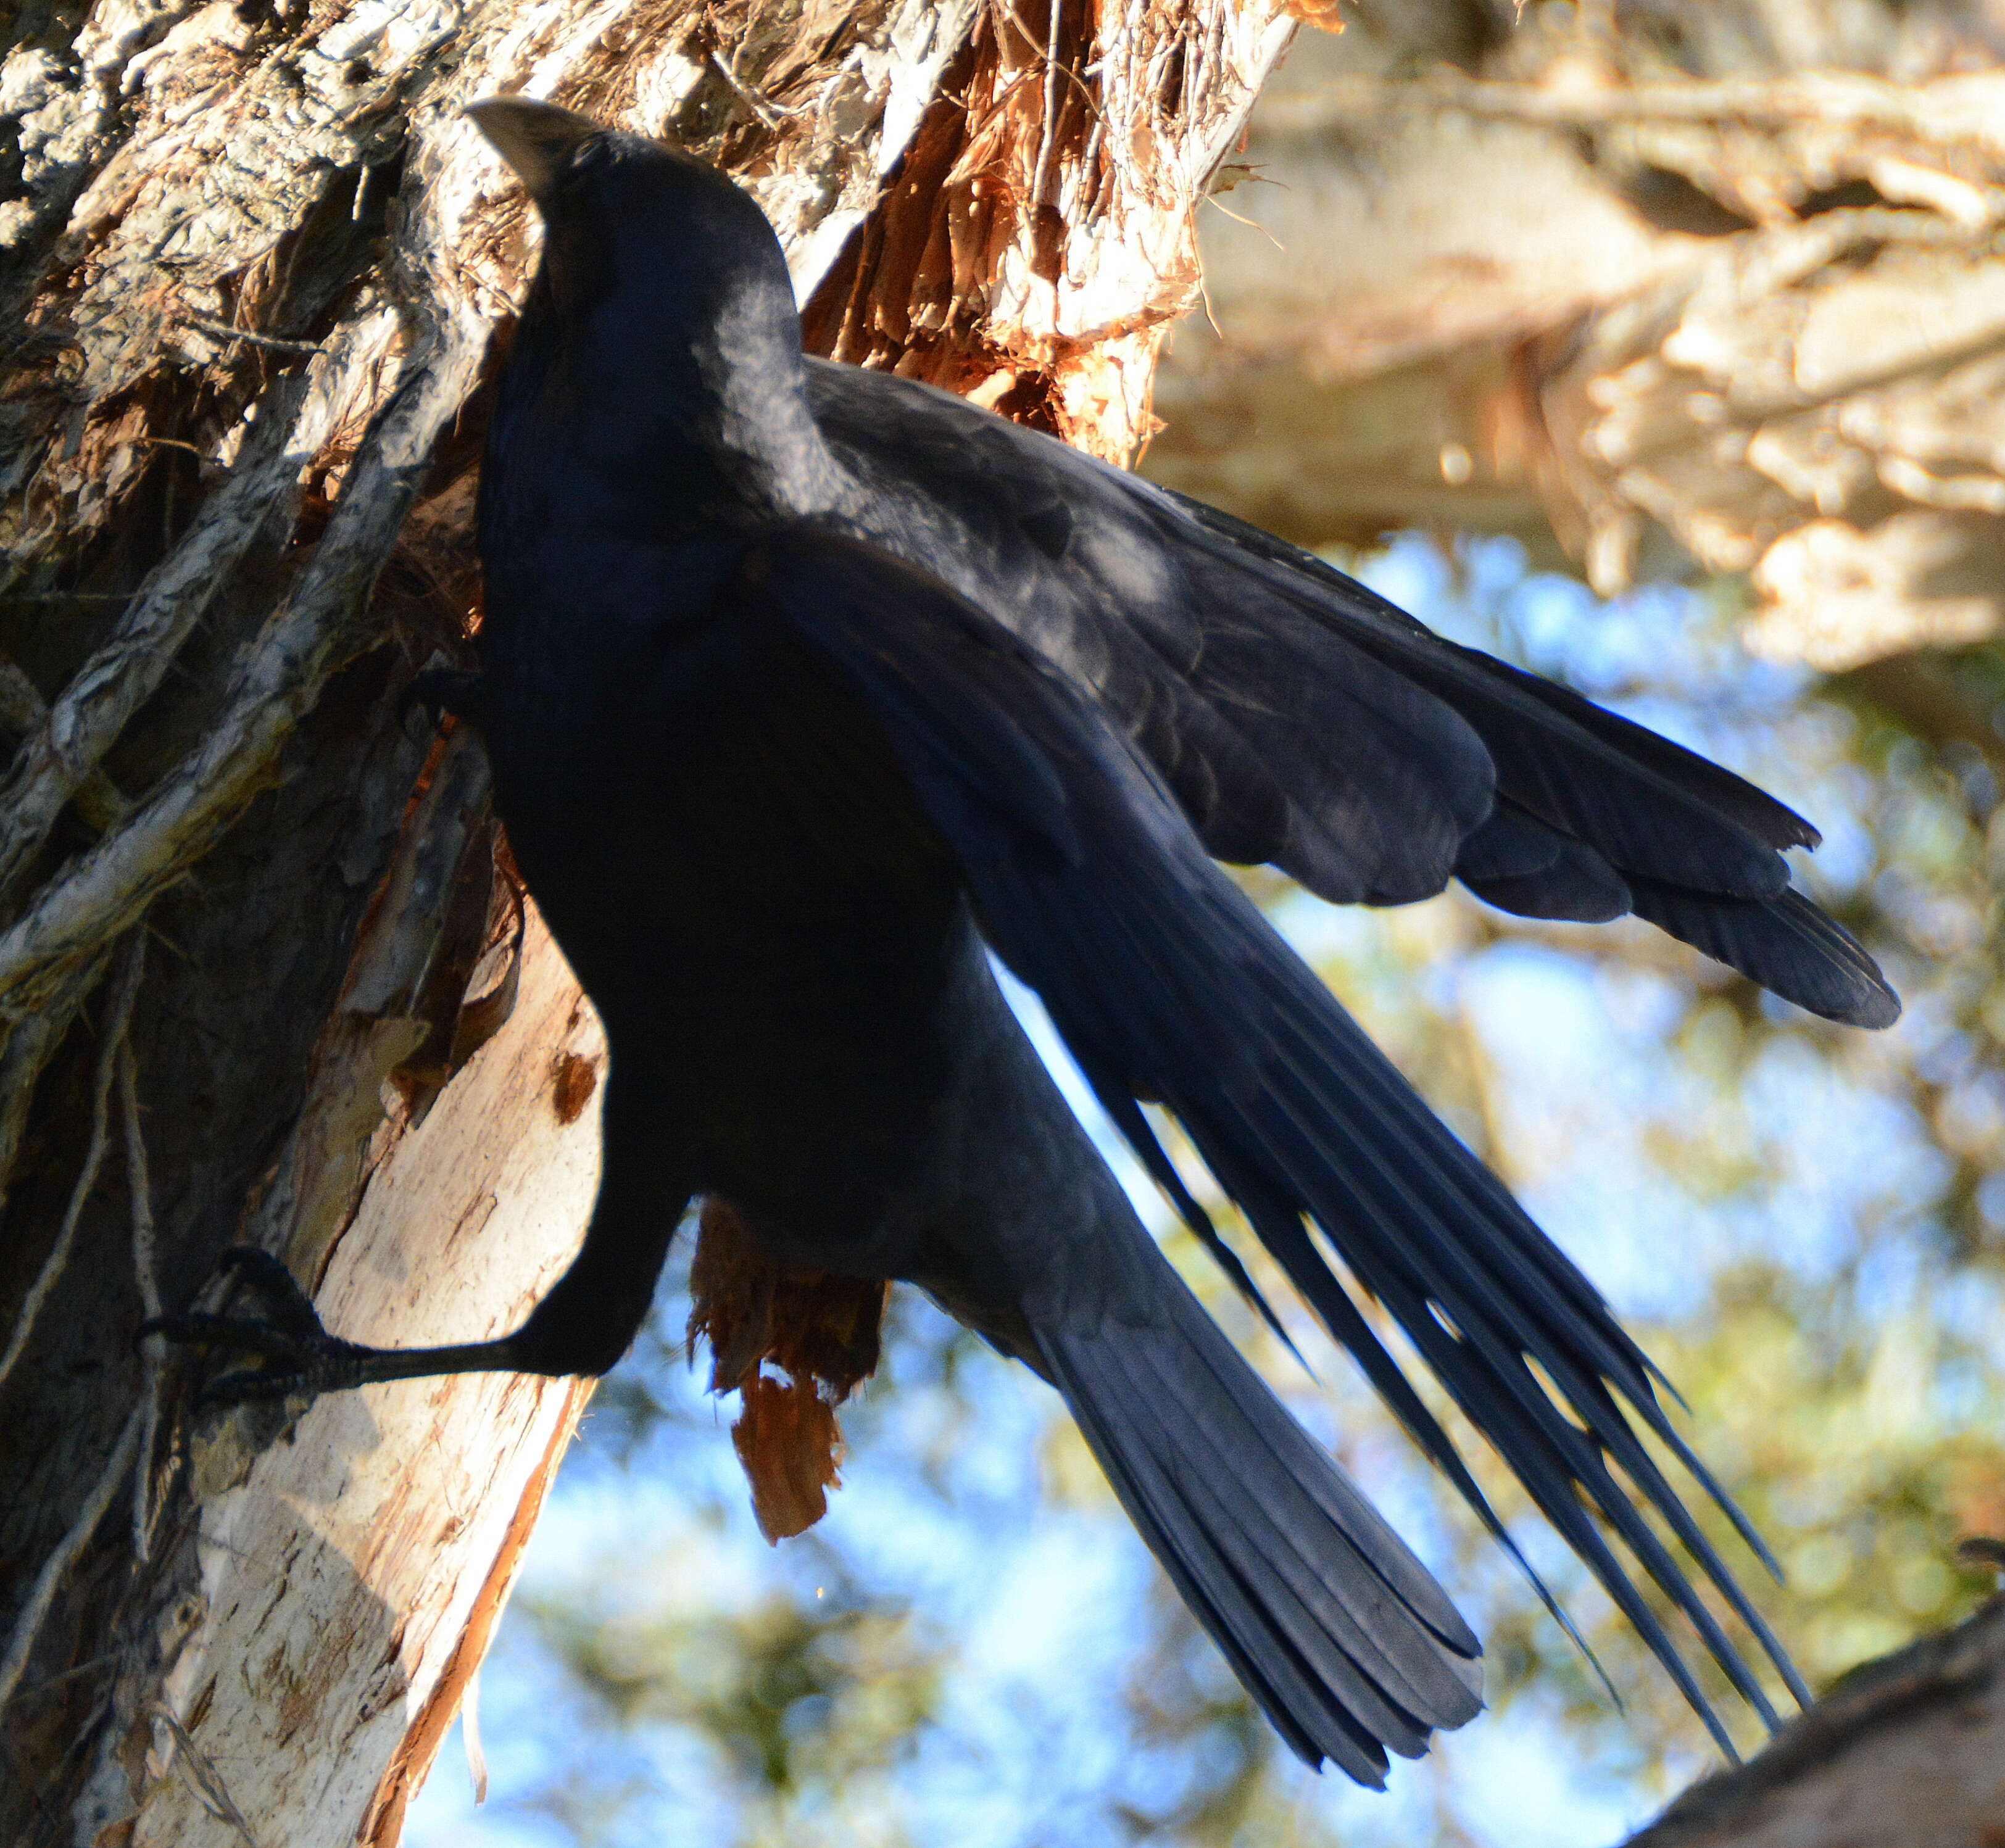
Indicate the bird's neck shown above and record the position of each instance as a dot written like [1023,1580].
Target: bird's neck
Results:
[672,436]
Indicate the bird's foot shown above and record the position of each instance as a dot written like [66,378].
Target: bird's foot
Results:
[439,690]
[293,1356]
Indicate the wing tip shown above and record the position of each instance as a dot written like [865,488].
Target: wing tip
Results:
[1876,1008]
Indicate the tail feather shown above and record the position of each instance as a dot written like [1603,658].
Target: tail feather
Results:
[1311,1719]
[1338,1632]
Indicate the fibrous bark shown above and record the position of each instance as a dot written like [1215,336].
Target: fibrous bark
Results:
[264,969]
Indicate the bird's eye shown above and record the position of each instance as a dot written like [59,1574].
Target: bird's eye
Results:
[589,158]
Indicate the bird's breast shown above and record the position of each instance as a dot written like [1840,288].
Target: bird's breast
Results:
[729,855]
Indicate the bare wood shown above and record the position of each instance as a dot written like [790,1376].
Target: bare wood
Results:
[1949,111]
[340,1578]
[23,710]
[1746,322]
[412,1761]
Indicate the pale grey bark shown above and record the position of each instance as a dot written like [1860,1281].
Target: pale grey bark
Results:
[255,258]
[1686,285]
[1907,1752]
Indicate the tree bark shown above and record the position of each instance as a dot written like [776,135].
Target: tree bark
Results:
[1685,285]
[1906,1752]
[264,968]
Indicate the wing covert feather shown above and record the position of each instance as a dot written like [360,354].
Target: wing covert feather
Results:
[1302,720]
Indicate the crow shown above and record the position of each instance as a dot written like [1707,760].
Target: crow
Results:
[809,690]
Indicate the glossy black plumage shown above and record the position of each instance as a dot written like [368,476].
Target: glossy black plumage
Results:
[805,686]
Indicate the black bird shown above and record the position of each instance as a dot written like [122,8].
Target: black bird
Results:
[807,687]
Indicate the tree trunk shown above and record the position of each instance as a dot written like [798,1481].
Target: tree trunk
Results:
[1906,1752]
[264,970]
[1688,285]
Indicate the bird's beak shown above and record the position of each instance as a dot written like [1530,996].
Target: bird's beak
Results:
[535,139]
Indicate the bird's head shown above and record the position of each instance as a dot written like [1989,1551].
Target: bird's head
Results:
[612,199]
[638,233]
[663,301]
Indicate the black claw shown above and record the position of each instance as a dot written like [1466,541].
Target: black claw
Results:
[437,691]
[288,1306]
[199,1328]
[251,1385]
[296,1353]
[254,1258]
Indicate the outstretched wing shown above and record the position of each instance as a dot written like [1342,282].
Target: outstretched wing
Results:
[1301,719]
[1168,985]
[1595,816]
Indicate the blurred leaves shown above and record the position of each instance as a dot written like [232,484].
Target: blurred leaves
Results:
[804,1704]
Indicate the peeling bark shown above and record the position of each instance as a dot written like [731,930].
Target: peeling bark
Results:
[818,1333]
[343,1574]
[259,947]
[1041,233]
[1685,285]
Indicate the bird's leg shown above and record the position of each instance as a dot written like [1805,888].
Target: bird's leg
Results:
[291,1353]
[586,1320]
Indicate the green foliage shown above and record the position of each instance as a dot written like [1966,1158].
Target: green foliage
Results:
[806,1705]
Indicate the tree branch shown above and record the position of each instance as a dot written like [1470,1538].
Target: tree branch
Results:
[116,1022]
[1906,1752]
[309,638]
